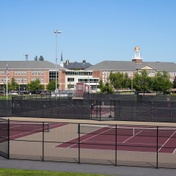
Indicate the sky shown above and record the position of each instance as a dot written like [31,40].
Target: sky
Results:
[92,30]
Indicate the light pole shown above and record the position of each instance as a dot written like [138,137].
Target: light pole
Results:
[7,82]
[56,32]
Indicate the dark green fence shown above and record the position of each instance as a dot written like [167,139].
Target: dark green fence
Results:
[4,138]
[94,107]
[137,145]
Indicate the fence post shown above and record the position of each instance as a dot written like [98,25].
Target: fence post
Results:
[110,114]
[97,109]
[170,111]
[8,155]
[116,145]
[115,113]
[119,110]
[100,103]
[157,140]
[12,105]
[43,138]
[91,108]
[79,143]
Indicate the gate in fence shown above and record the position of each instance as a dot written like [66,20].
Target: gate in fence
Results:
[95,108]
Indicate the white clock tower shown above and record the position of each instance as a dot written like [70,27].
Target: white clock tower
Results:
[137,56]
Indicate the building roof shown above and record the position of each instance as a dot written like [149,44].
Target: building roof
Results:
[77,65]
[132,66]
[31,65]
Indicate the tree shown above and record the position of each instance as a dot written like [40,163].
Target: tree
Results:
[35,58]
[126,81]
[174,82]
[51,85]
[142,82]
[105,88]
[35,85]
[13,85]
[41,58]
[119,80]
[161,82]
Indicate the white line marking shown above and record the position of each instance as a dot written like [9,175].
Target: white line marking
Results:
[166,141]
[132,137]
[89,137]
[174,151]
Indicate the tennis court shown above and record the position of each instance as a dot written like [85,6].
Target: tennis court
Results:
[103,137]
[21,129]
[129,138]
[114,143]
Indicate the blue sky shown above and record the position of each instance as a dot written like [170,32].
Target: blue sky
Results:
[92,30]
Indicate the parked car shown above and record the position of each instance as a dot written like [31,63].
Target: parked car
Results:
[13,93]
[2,92]
[45,92]
[23,92]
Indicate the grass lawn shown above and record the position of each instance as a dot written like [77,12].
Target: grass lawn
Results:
[3,97]
[16,172]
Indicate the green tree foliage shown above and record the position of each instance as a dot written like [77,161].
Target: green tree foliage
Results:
[13,85]
[100,84]
[161,82]
[174,82]
[51,85]
[41,58]
[142,82]
[35,58]
[119,80]
[35,85]
[105,88]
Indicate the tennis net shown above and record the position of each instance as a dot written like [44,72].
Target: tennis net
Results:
[27,126]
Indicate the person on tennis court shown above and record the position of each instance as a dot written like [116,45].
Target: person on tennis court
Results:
[92,106]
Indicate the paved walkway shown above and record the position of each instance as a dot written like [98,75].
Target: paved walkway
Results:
[85,168]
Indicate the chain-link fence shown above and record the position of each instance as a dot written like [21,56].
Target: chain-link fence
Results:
[51,108]
[160,108]
[95,107]
[149,111]
[5,108]
[149,146]
[4,138]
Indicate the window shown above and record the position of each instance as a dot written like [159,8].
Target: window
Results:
[70,79]
[23,73]
[34,73]
[171,74]
[70,86]
[52,75]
